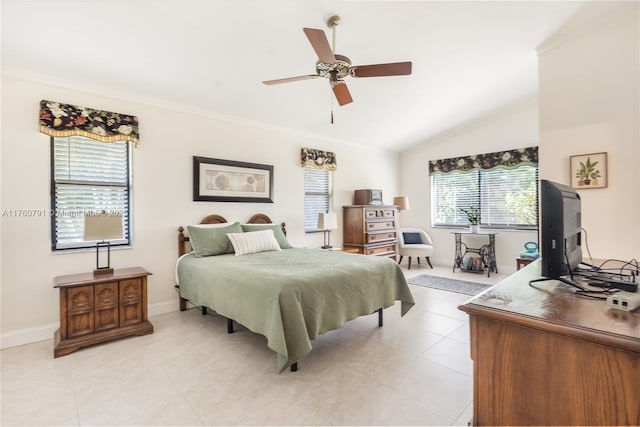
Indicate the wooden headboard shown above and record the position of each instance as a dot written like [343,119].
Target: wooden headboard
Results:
[218,219]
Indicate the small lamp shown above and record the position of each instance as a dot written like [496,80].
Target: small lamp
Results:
[102,228]
[326,222]
[402,202]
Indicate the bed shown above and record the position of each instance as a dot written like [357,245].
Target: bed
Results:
[289,295]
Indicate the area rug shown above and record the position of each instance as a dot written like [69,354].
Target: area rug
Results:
[450,285]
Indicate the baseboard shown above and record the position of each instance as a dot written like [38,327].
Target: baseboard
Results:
[163,307]
[28,335]
[45,332]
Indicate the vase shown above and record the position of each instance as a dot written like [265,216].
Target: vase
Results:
[474,228]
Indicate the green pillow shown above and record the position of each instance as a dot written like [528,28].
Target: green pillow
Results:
[277,232]
[211,239]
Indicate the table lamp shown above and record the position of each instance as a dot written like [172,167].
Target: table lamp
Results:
[102,228]
[402,202]
[326,222]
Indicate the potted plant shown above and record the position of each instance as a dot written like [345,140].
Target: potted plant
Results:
[473,215]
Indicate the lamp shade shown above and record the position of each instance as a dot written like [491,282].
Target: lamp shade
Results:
[327,221]
[402,202]
[102,227]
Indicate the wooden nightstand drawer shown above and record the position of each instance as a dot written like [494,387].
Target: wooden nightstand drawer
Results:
[106,306]
[130,302]
[79,302]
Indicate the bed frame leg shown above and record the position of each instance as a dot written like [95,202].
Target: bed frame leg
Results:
[380,317]
[229,326]
[183,304]
[204,310]
[294,367]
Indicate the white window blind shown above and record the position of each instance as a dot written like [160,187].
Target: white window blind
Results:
[449,193]
[317,193]
[507,197]
[88,176]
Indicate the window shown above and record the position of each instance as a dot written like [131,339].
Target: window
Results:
[508,198]
[317,194]
[87,176]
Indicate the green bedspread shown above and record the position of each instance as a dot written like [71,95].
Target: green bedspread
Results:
[294,295]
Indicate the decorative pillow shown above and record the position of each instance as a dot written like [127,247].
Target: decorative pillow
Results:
[211,239]
[277,231]
[253,242]
[411,238]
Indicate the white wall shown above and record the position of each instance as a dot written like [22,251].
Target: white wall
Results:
[162,195]
[516,127]
[590,103]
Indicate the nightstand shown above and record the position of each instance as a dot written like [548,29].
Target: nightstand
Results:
[95,309]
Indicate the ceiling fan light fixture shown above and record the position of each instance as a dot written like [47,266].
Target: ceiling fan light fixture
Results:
[335,67]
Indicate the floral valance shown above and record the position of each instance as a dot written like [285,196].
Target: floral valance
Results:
[318,159]
[57,119]
[487,161]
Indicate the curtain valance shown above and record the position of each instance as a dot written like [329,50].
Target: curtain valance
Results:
[487,161]
[318,159]
[57,119]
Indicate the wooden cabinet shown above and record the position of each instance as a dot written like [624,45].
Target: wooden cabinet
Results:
[544,356]
[370,230]
[95,309]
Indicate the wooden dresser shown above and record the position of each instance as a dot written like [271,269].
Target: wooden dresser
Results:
[95,309]
[548,357]
[370,230]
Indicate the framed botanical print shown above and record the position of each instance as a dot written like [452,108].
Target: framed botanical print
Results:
[589,170]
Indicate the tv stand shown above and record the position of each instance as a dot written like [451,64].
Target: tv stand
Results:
[545,356]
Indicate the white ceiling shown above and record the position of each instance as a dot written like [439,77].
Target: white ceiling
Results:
[469,58]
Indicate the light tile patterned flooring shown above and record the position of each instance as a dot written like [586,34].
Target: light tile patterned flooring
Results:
[415,370]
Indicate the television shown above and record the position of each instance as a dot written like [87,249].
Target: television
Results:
[560,239]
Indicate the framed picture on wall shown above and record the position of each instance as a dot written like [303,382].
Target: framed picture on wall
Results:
[589,170]
[218,180]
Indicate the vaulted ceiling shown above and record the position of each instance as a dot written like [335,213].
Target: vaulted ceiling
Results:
[211,56]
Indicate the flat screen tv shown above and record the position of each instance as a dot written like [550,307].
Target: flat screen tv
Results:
[560,240]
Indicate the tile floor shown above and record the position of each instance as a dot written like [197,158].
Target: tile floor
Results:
[415,370]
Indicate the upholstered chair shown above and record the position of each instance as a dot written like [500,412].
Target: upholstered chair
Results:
[414,242]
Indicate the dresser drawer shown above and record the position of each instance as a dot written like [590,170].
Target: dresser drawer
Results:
[380,213]
[381,250]
[381,225]
[381,237]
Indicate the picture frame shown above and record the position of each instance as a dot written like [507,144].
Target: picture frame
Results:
[219,180]
[588,171]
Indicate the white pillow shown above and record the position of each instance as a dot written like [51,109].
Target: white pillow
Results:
[253,242]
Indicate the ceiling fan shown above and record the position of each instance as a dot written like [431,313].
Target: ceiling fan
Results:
[336,67]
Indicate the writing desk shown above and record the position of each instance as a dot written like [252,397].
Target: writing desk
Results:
[487,252]
[545,356]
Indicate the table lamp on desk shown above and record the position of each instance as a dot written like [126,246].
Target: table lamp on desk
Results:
[103,228]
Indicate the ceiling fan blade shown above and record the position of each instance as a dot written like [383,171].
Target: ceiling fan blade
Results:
[320,44]
[380,70]
[341,92]
[290,79]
